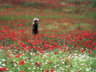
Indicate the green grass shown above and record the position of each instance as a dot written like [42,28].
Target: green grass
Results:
[49,60]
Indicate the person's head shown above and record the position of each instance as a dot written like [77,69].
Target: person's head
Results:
[35,20]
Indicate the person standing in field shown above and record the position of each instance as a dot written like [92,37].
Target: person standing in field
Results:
[35,26]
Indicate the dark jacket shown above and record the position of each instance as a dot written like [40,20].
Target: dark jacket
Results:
[35,28]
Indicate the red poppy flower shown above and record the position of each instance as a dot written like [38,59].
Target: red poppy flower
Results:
[12,61]
[4,69]
[52,70]
[38,63]
[69,52]
[46,71]
[89,51]
[0,69]
[81,50]
[22,62]
[55,53]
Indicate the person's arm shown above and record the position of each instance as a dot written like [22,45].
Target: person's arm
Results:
[33,26]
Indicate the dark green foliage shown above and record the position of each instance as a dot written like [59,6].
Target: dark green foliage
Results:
[94,5]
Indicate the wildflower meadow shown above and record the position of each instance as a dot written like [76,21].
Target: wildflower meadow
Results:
[66,39]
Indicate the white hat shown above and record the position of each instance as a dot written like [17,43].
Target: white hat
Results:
[35,19]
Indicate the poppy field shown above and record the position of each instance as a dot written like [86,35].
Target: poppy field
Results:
[66,41]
